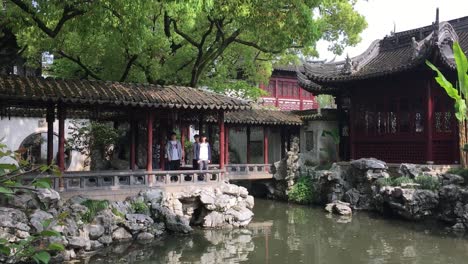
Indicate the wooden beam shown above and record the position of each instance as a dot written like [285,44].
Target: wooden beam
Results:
[221,139]
[50,118]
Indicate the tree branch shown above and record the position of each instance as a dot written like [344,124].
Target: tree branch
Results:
[69,12]
[128,67]
[184,35]
[79,63]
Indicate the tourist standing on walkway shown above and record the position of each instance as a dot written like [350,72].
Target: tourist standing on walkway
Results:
[204,156]
[174,152]
[196,152]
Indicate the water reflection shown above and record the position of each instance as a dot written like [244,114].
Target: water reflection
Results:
[285,233]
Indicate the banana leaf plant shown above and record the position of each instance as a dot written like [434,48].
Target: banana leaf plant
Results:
[459,95]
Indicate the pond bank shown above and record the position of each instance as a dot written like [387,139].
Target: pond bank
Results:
[416,192]
[87,225]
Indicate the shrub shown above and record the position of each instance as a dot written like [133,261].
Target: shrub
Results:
[302,191]
[94,207]
[402,180]
[427,182]
[140,207]
[384,182]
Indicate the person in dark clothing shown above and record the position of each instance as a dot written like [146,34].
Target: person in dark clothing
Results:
[196,152]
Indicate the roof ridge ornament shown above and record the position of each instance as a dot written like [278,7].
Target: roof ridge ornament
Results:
[347,66]
[435,26]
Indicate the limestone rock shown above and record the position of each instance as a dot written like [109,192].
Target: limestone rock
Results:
[138,222]
[409,170]
[144,236]
[95,231]
[369,164]
[121,234]
[213,219]
[78,242]
[448,178]
[48,197]
[106,240]
[38,218]
[338,207]
[95,245]
[13,218]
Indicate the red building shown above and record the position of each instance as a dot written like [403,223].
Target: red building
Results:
[390,106]
[285,93]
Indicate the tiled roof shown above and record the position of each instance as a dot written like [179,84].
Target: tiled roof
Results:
[76,92]
[259,117]
[396,53]
[314,114]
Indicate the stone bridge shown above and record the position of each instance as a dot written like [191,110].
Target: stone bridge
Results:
[117,185]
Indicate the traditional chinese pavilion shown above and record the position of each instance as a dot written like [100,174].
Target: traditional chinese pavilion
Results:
[284,92]
[390,106]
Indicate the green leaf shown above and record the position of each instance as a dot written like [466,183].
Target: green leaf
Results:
[462,67]
[6,190]
[8,167]
[55,247]
[50,233]
[41,257]
[5,250]
[42,183]
[442,81]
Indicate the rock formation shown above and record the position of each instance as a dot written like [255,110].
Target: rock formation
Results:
[88,225]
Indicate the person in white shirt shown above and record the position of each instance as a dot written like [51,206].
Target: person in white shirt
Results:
[204,155]
[174,152]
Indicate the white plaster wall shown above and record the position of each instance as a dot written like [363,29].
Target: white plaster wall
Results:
[15,129]
[316,155]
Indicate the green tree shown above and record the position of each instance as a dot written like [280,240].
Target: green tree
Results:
[458,95]
[193,42]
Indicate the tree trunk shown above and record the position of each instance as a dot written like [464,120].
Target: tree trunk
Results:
[462,141]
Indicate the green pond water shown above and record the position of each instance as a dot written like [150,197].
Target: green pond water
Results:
[286,233]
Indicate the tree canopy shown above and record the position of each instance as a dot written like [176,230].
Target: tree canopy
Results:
[223,44]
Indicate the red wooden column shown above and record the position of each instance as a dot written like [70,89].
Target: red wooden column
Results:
[221,139]
[132,143]
[149,148]
[226,142]
[248,145]
[429,123]
[265,145]
[50,118]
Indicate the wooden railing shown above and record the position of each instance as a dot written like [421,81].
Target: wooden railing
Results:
[72,181]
